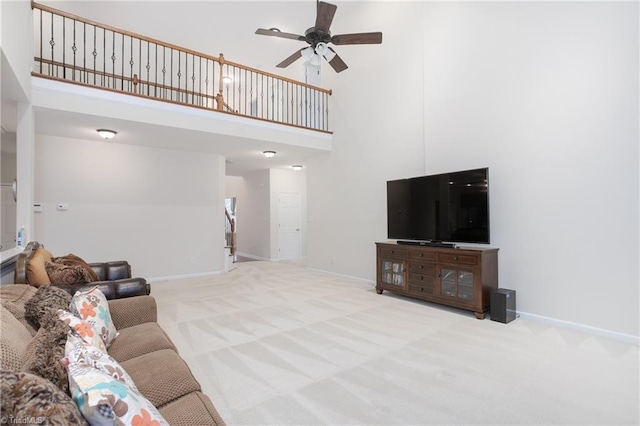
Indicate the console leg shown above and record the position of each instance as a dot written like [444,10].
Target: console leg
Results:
[480,315]
[379,290]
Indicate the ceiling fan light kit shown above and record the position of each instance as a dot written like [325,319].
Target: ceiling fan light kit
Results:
[318,37]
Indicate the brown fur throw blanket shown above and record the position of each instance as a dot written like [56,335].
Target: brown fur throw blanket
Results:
[69,269]
[29,399]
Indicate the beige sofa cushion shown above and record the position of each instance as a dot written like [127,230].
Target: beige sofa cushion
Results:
[13,342]
[161,376]
[13,297]
[139,340]
[36,271]
[192,409]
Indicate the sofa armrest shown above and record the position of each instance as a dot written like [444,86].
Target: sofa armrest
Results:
[131,287]
[133,311]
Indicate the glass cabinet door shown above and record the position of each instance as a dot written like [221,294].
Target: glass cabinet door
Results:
[393,272]
[448,283]
[465,285]
[458,284]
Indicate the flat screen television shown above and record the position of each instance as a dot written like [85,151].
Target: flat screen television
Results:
[448,207]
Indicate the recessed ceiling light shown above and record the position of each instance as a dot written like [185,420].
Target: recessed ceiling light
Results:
[269,154]
[296,167]
[106,133]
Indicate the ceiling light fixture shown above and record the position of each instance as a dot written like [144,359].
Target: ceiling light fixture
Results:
[296,167]
[227,80]
[269,154]
[106,133]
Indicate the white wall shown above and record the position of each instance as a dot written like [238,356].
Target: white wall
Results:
[15,37]
[8,166]
[161,210]
[546,95]
[254,215]
[552,109]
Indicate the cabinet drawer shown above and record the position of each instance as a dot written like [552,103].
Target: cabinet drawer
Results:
[458,259]
[392,252]
[419,279]
[417,254]
[421,284]
[422,268]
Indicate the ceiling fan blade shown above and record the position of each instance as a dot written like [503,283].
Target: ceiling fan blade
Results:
[336,62]
[291,59]
[359,38]
[277,33]
[326,11]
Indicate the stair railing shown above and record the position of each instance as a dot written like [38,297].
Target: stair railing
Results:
[230,232]
[77,50]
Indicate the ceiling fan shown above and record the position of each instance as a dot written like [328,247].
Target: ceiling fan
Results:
[318,37]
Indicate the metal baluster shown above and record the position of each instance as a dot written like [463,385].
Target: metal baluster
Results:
[171,74]
[131,63]
[64,44]
[104,55]
[95,54]
[206,82]
[148,68]
[84,51]
[200,79]
[193,79]
[164,72]
[179,75]
[122,66]
[41,34]
[155,87]
[140,62]
[113,59]
[51,43]
[74,48]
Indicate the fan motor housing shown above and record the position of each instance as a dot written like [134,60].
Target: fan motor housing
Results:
[315,36]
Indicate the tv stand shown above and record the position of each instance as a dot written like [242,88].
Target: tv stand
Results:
[458,277]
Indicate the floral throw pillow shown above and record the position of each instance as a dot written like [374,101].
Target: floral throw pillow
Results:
[82,329]
[92,306]
[103,391]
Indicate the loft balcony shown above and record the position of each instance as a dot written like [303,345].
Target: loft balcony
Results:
[71,49]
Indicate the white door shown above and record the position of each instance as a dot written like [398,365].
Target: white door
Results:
[288,225]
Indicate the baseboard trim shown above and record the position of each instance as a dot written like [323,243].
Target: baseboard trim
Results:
[360,279]
[251,256]
[183,276]
[614,335]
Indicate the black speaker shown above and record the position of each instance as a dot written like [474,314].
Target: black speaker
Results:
[503,305]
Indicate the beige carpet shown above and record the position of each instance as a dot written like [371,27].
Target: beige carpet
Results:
[278,343]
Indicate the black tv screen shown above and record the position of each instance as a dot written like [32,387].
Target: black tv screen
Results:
[451,207]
